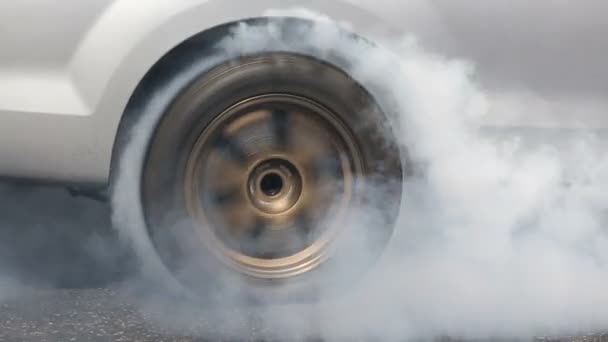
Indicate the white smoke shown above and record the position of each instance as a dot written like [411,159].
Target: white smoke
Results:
[499,237]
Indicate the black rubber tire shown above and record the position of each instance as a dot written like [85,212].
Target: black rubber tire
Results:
[209,92]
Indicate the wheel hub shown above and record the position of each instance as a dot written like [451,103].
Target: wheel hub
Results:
[274,186]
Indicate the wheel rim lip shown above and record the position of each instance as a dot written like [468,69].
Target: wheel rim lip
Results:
[314,254]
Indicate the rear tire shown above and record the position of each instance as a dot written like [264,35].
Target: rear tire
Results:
[253,174]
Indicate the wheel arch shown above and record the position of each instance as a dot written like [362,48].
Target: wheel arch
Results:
[150,61]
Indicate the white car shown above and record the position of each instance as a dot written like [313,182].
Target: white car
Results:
[224,159]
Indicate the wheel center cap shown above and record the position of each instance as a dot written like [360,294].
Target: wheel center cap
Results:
[274,186]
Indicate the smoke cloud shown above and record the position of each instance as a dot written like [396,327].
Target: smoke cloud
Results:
[501,230]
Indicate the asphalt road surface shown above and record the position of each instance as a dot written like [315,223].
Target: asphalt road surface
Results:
[76,315]
[62,275]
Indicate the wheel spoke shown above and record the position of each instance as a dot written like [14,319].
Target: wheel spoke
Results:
[304,226]
[280,126]
[329,163]
[232,149]
[324,165]
[248,240]
[256,230]
[226,196]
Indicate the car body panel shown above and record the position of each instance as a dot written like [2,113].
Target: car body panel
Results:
[68,68]
[65,85]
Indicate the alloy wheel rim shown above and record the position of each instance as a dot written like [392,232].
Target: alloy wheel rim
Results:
[269,182]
